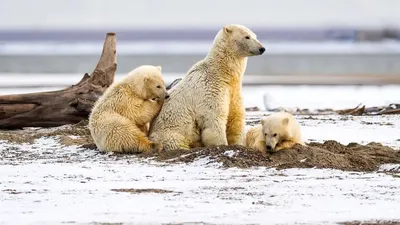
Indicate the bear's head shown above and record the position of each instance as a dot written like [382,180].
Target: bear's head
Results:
[274,131]
[242,40]
[149,83]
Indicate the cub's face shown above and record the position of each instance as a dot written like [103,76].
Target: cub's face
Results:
[274,131]
[155,86]
[244,41]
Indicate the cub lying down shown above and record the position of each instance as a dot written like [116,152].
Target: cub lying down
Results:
[277,131]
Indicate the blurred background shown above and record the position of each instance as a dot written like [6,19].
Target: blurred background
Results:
[48,44]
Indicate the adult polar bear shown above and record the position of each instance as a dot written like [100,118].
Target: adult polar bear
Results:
[206,107]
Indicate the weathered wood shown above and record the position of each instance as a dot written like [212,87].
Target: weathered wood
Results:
[389,111]
[357,111]
[66,106]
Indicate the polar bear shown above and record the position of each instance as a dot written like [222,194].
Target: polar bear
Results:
[277,131]
[120,118]
[206,107]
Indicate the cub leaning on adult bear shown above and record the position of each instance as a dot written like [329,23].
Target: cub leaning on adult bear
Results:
[206,107]
[120,117]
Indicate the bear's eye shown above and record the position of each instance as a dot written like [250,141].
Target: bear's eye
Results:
[247,37]
[265,134]
[275,134]
[158,86]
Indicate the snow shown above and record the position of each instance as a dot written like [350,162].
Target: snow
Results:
[54,184]
[320,97]
[230,153]
[82,193]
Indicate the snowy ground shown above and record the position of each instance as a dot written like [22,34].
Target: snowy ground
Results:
[53,184]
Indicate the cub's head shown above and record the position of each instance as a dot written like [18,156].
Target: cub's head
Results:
[275,130]
[148,82]
[242,40]
[154,85]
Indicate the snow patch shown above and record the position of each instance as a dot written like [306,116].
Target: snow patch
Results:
[230,153]
[390,168]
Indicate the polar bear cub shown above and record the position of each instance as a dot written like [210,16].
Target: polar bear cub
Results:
[277,131]
[120,118]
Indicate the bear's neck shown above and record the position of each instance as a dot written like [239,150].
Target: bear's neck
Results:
[228,64]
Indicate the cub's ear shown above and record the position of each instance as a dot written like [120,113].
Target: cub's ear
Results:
[227,29]
[159,68]
[285,121]
[262,122]
[146,79]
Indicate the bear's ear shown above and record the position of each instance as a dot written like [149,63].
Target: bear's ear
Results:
[146,79]
[285,121]
[159,68]
[262,122]
[227,30]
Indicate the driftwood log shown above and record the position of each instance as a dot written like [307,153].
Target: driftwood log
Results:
[66,106]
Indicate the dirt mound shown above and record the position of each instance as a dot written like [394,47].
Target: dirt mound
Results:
[330,154]
[74,134]
[142,190]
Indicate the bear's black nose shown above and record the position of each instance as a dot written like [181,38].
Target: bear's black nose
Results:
[167,96]
[262,50]
[269,147]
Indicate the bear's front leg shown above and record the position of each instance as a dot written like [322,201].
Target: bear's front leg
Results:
[145,129]
[260,146]
[284,145]
[236,123]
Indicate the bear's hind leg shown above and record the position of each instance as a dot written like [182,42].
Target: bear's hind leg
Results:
[124,137]
[171,141]
[143,144]
[214,133]
[235,126]
[260,146]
